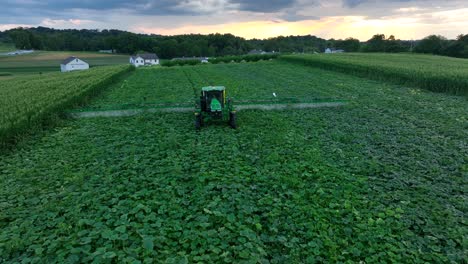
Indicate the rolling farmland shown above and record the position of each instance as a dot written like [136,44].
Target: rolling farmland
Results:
[380,179]
[49,61]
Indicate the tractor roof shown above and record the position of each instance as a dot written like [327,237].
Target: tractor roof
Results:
[213,88]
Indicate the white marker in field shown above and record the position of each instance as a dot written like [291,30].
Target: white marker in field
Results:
[274,94]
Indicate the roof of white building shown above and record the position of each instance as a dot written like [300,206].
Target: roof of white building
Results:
[70,59]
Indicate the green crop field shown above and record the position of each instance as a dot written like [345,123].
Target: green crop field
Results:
[49,61]
[381,179]
[434,73]
[25,101]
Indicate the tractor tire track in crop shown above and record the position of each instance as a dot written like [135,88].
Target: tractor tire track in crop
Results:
[194,88]
[264,107]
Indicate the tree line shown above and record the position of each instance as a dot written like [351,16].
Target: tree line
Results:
[215,45]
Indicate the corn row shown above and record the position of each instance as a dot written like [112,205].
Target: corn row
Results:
[433,73]
[28,100]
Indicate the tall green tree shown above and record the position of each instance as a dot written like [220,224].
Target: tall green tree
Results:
[348,45]
[375,44]
[431,44]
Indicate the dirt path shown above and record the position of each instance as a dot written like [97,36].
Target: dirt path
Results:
[268,107]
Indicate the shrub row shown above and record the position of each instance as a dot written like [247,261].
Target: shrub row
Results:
[226,59]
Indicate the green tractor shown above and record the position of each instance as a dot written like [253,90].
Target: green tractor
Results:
[213,106]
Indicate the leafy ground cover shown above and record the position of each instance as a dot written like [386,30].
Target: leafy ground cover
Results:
[382,179]
[434,73]
[245,81]
[24,102]
[146,86]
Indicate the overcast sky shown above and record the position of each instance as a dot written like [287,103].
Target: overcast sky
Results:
[406,19]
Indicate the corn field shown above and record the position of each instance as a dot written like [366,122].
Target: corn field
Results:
[27,101]
[433,73]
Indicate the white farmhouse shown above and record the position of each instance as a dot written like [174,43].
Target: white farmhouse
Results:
[146,59]
[73,64]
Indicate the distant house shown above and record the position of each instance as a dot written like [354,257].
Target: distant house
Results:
[261,52]
[329,50]
[201,59]
[257,52]
[73,64]
[146,59]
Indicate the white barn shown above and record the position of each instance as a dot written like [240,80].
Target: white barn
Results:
[146,59]
[73,64]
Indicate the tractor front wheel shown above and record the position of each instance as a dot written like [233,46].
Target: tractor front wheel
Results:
[198,122]
[232,120]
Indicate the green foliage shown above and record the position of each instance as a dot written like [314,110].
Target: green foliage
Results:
[457,48]
[27,101]
[431,44]
[167,47]
[245,58]
[379,43]
[438,74]
[348,45]
[439,45]
[171,63]
[25,39]
[378,181]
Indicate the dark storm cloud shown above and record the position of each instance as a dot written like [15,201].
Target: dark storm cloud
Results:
[265,6]
[156,7]
[353,3]
[296,17]
[34,11]
[149,7]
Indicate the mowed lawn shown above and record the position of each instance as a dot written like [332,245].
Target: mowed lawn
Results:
[382,179]
[6,47]
[49,61]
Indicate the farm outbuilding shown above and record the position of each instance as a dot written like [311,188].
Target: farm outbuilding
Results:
[329,50]
[257,52]
[261,52]
[146,59]
[73,64]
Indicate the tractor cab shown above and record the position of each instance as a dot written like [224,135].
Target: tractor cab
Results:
[213,106]
[213,99]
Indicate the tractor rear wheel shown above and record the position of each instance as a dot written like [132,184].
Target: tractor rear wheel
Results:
[198,122]
[232,120]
